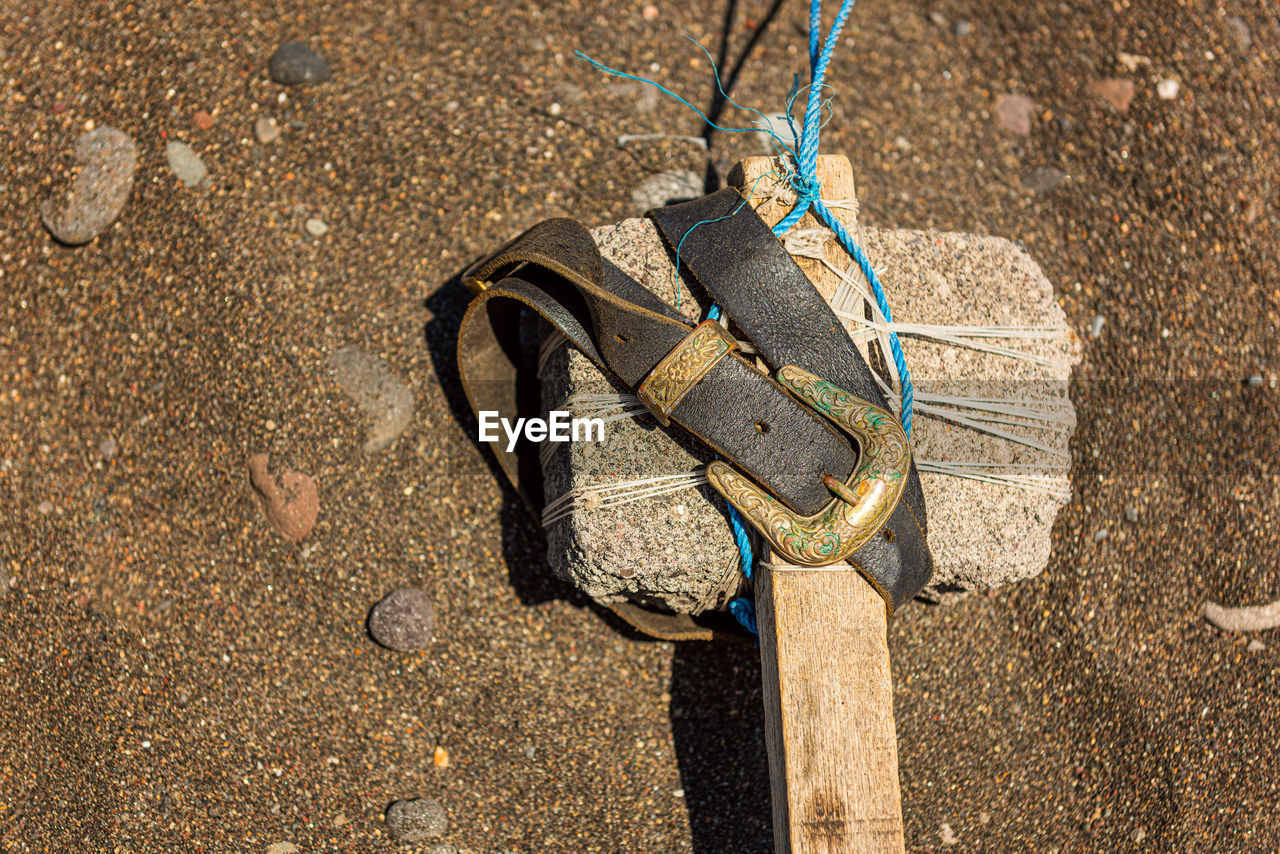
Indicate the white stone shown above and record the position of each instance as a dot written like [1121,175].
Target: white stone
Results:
[1168,89]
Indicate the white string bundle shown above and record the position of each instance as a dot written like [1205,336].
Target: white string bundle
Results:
[623,492]
[606,407]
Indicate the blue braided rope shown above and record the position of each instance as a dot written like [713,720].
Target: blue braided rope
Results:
[864,263]
[808,189]
[742,608]
[804,181]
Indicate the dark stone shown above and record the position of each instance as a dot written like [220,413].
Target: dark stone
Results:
[416,821]
[403,621]
[294,63]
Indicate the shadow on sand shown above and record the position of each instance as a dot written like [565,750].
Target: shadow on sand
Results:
[716,715]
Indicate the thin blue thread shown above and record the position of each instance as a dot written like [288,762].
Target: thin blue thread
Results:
[685,236]
[763,124]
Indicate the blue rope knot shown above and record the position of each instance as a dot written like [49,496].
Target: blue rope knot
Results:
[808,188]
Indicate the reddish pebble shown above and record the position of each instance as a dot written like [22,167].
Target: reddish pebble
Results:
[1014,112]
[203,120]
[1116,91]
[650,12]
[291,502]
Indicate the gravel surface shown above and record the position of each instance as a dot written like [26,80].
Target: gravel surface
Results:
[176,677]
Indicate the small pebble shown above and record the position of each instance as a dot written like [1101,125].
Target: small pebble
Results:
[1256,380]
[1131,513]
[282,848]
[1256,645]
[1139,835]
[291,502]
[1042,179]
[947,835]
[1116,91]
[554,110]
[650,12]
[666,188]
[383,397]
[316,227]
[45,507]
[776,124]
[416,820]
[939,19]
[106,159]
[1132,61]
[1240,32]
[185,163]
[1256,618]
[1167,89]
[984,817]
[203,120]
[440,757]
[962,28]
[1095,325]
[1100,535]
[442,848]
[403,621]
[1014,113]
[266,129]
[294,63]
[107,447]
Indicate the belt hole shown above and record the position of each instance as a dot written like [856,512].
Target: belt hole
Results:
[888,535]
[762,427]
[621,339]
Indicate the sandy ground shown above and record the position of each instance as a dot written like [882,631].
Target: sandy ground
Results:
[176,677]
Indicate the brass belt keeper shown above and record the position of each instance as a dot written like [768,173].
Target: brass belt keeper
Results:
[688,362]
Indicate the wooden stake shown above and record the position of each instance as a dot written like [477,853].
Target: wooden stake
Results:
[828,693]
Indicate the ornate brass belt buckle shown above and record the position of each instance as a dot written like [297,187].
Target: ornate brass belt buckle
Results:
[861,505]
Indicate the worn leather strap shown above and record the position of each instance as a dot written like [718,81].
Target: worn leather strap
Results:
[554,273]
[772,301]
[555,270]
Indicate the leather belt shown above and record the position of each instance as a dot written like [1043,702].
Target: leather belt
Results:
[792,456]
